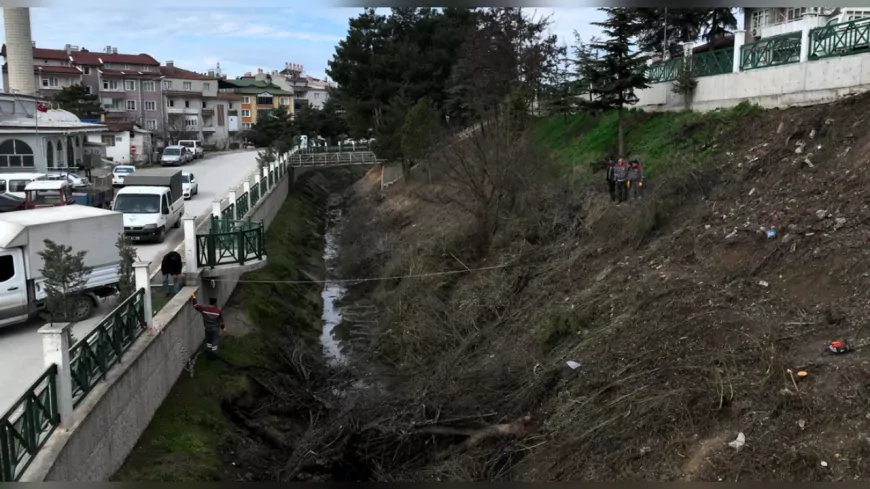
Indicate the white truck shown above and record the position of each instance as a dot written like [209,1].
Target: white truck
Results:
[22,237]
[152,201]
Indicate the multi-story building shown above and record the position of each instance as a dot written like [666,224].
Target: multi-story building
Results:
[193,108]
[307,90]
[128,84]
[772,21]
[258,93]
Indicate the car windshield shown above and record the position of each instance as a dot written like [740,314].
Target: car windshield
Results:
[123,171]
[185,178]
[171,152]
[137,204]
[45,197]
[186,144]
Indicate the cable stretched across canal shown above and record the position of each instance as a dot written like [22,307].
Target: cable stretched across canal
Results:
[368,279]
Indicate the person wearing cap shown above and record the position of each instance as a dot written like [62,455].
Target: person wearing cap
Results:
[635,179]
[620,176]
[212,320]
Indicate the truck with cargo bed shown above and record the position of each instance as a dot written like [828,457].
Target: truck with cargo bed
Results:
[51,193]
[22,237]
[152,201]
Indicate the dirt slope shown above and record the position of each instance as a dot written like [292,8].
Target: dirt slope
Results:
[684,315]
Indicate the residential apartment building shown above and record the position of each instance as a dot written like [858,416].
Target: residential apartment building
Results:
[307,90]
[193,108]
[258,94]
[773,21]
[129,85]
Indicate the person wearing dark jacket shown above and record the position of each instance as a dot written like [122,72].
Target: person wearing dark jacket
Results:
[620,176]
[171,266]
[212,320]
[635,179]
[611,183]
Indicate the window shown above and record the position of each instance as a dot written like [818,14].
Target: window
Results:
[191,122]
[760,18]
[137,204]
[187,104]
[50,82]
[231,106]
[246,113]
[264,100]
[15,153]
[285,100]
[7,268]
[204,106]
[167,85]
[86,70]
[850,15]
[130,85]
[151,124]
[246,100]
[18,185]
[110,84]
[316,94]
[49,154]
[150,106]
[188,86]
[108,140]
[131,105]
[206,86]
[170,103]
[246,125]
[148,86]
[126,67]
[88,89]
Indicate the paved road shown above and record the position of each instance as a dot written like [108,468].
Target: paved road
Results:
[21,360]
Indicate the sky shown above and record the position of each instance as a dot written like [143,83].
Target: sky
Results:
[207,32]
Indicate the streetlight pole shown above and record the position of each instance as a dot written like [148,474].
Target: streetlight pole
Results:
[665,40]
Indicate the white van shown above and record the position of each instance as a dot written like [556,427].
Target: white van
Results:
[149,212]
[14,183]
[194,146]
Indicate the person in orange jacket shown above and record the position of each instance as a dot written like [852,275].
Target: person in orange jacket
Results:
[212,320]
[635,179]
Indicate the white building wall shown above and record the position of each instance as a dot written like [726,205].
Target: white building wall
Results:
[120,152]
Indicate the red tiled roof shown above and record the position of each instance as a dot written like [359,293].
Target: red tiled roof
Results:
[176,72]
[90,58]
[130,74]
[58,70]
[39,53]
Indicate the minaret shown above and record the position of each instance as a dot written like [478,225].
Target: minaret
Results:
[19,51]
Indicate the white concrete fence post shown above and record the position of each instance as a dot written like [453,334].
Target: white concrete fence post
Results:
[143,281]
[55,351]
[231,195]
[190,244]
[265,178]
[739,40]
[216,208]
[247,187]
[809,22]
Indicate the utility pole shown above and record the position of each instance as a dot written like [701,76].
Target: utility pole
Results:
[665,40]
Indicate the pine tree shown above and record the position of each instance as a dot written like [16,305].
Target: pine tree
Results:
[77,99]
[126,275]
[619,71]
[65,274]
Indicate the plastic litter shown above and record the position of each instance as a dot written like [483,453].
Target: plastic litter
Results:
[738,443]
[771,233]
[574,365]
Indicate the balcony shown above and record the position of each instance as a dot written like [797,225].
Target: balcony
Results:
[209,128]
[181,110]
[184,93]
[207,112]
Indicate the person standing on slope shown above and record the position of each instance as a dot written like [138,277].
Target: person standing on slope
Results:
[611,183]
[635,179]
[620,177]
[212,320]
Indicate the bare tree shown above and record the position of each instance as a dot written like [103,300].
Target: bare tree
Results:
[175,130]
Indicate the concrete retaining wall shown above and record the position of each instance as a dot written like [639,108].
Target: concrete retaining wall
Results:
[809,83]
[114,415]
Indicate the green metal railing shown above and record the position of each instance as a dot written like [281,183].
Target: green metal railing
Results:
[255,194]
[228,212]
[841,39]
[664,71]
[27,425]
[771,51]
[231,242]
[242,204]
[710,63]
[93,356]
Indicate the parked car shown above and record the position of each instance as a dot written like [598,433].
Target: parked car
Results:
[14,183]
[174,156]
[9,203]
[74,179]
[189,185]
[194,146]
[119,173]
